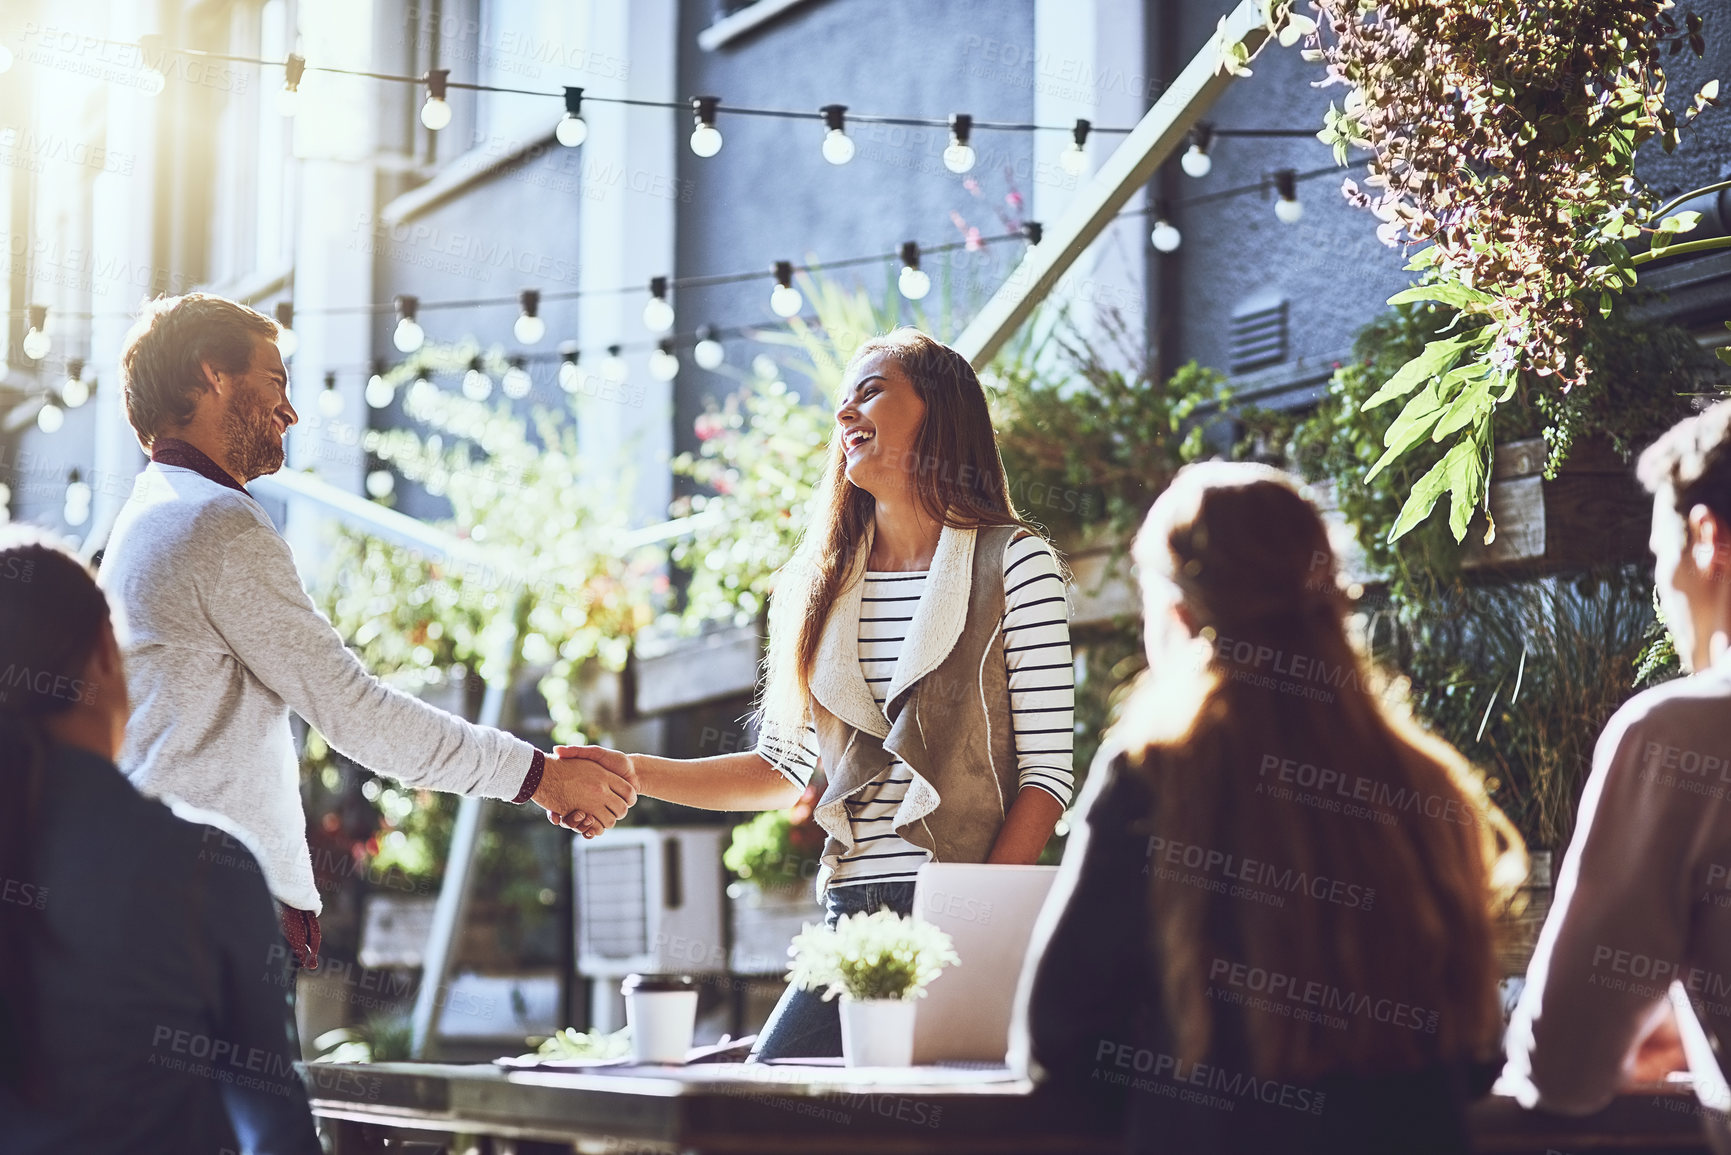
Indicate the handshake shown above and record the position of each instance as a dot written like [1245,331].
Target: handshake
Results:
[586,788]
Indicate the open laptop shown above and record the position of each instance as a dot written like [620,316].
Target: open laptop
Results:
[989,912]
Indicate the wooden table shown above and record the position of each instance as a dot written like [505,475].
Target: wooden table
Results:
[734,1110]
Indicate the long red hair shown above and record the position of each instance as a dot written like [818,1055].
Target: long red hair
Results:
[1272,682]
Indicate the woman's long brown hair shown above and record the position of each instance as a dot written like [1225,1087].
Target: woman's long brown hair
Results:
[1222,743]
[51,619]
[956,473]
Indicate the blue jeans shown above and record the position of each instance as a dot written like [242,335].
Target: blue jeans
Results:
[803,1025]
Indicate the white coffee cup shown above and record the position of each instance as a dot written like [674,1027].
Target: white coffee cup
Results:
[662,1013]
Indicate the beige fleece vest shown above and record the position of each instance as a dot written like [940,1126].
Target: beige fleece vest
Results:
[947,712]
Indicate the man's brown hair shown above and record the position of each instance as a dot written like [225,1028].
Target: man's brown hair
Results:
[1693,460]
[162,363]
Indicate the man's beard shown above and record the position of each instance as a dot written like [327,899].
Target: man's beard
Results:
[253,444]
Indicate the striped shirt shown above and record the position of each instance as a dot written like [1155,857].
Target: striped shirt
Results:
[1037,661]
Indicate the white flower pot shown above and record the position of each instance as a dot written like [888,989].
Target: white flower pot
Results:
[877,1032]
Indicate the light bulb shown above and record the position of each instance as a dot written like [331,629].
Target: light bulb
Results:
[5,63]
[914,283]
[959,158]
[838,146]
[658,315]
[706,140]
[409,335]
[436,113]
[529,330]
[709,353]
[1195,162]
[516,383]
[1288,210]
[36,344]
[75,392]
[477,386]
[287,342]
[613,367]
[330,401]
[77,492]
[765,367]
[288,101]
[381,483]
[152,81]
[570,376]
[663,365]
[785,301]
[571,131]
[379,392]
[75,514]
[50,418]
[1166,236]
[1073,160]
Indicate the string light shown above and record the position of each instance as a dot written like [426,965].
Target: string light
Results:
[914,283]
[77,510]
[516,384]
[663,365]
[572,130]
[50,417]
[1166,238]
[570,372]
[1287,208]
[477,386]
[785,301]
[76,390]
[613,366]
[288,97]
[379,392]
[409,336]
[381,483]
[1074,160]
[837,145]
[1196,162]
[530,328]
[286,339]
[705,138]
[330,401]
[959,156]
[436,112]
[657,312]
[708,352]
[36,342]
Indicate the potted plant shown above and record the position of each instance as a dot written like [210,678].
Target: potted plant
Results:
[878,963]
[773,858]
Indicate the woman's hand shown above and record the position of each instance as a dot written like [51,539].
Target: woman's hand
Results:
[616,770]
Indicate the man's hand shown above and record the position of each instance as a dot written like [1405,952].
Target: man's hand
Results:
[584,792]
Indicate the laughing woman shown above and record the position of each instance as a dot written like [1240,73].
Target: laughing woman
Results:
[919,653]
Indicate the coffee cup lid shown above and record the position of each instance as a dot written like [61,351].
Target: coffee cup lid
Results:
[646,984]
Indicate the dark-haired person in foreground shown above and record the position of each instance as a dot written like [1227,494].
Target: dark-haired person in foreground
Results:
[1644,895]
[1236,958]
[222,640]
[138,1011]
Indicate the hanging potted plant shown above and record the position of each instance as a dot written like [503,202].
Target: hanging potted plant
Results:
[879,964]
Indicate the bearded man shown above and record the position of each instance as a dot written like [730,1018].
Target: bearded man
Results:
[221,640]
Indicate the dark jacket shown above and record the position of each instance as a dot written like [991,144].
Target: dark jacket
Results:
[1097,1039]
[163,992]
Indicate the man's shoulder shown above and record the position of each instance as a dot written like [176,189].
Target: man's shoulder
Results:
[1684,712]
[172,505]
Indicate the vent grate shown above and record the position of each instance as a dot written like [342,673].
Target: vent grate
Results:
[615,901]
[1258,337]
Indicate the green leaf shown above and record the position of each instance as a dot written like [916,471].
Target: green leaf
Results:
[1473,404]
[1447,292]
[1456,474]
[1425,258]
[1438,357]
[1604,304]
[1723,352]
[1680,222]
[1410,428]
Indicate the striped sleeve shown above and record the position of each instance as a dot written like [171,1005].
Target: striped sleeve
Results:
[796,762]
[1041,673]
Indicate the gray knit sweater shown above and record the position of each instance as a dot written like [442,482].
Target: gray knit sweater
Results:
[221,642]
